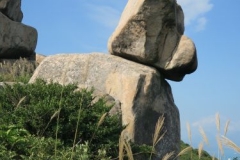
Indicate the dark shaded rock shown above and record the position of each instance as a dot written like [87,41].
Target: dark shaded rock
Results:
[12,9]
[16,39]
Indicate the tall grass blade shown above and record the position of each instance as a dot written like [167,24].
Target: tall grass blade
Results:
[220,147]
[200,149]
[20,101]
[218,122]
[121,147]
[129,150]
[168,156]
[184,151]
[158,127]
[226,127]
[189,133]
[101,119]
[227,142]
[157,137]
[204,136]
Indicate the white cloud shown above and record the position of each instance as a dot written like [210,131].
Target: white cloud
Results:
[209,123]
[104,15]
[201,23]
[205,122]
[194,12]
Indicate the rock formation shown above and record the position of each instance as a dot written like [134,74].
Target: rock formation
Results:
[12,9]
[147,47]
[142,91]
[16,39]
[151,32]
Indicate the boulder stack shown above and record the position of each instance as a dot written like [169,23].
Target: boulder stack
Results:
[147,47]
[16,39]
[151,32]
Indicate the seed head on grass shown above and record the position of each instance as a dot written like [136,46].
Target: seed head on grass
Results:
[226,127]
[220,147]
[227,142]
[204,136]
[189,133]
[200,149]
[218,122]
[20,101]
[184,151]
[158,128]
[101,119]
[168,156]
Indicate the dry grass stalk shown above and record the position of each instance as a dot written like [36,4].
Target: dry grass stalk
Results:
[218,122]
[158,128]
[204,136]
[184,151]
[227,142]
[168,156]
[189,133]
[213,157]
[121,147]
[101,119]
[226,127]
[20,101]
[129,150]
[220,147]
[200,149]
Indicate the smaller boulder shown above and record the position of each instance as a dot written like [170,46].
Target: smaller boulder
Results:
[183,61]
[12,9]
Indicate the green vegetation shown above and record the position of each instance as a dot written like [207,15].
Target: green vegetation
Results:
[193,154]
[53,121]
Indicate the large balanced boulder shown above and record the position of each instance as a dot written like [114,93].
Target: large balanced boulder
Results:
[12,9]
[16,39]
[143,93]
[150,32]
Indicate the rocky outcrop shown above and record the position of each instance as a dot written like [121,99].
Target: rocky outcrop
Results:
[39,58]
[12,9]
[150,32]
[16,39]
[143,93]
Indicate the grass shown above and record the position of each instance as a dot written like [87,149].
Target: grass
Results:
[19,70]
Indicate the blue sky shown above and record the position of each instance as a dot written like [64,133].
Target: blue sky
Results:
[83,26]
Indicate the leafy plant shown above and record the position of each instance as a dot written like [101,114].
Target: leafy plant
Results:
[60,115]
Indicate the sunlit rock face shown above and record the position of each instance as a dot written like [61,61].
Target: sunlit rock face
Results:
[151,32]
[143,94]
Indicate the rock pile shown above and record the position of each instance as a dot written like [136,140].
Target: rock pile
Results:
[16,39]
[151,32]
[147,47]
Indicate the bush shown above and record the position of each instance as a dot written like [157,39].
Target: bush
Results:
[51,120]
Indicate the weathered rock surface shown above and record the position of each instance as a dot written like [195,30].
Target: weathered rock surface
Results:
[16,39]
[184,60]
[12,9]
[143,93]
[39,58]
[150,32]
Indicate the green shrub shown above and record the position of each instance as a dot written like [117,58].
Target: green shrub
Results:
[52,119]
